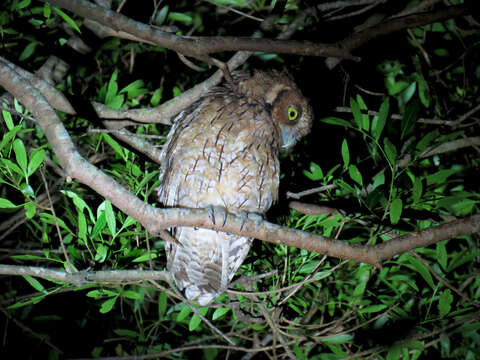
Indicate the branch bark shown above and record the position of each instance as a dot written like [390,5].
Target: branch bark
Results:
[82,278]
[198,47]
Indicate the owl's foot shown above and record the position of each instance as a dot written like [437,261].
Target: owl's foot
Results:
[211,210]
[253,216]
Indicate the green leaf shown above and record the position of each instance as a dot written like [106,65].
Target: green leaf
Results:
[7,117]
[162,304]
[35,283]
[20,154]
[67,19]
[308,267]
[440,177]
[6,204]
[183,313]
[126,332]
[112,89]
[315,173]
[101,253]
[426,140]
[99,225]
[394,352]
[176,91]
[28,257]
[82,226]
[336,121]
[365,117]
[379,180]
[372,309]
[194,322]
[115,146]
[397,87]
[390,151]
[110,217]
[417,190]
[146,257]
[180,17]
[98,294]
[396,210]
[380,120]
[28,51]
[156,97]
[130,294]
[161,16]
[421,269]
[79,203]
[337,339]
[405,96]
[20,5]
[357,114]
[445,302]
[218,313]
[36,159]
[107,305]
[50,219]
[441,255]
[33,300]
[47,10]
[410,117]
[423,90]
[134,89]
[355,174]
[345,153]
[30,209]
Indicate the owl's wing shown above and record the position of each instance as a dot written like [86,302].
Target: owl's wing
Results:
[206,261]
[219,153]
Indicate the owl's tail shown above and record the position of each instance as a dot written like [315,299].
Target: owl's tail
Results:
[206,263]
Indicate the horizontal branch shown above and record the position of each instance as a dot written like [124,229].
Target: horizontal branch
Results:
[82,278]
[199,47]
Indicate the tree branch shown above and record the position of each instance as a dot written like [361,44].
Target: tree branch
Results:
[199,47]
[82,278]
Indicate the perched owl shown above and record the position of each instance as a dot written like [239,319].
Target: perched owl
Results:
[222,151]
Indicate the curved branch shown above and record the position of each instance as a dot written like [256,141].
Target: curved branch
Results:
[155,220]
[196,46]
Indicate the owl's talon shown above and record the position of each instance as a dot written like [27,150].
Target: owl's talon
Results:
[253,216]
[211,213]
[256,218]
[244,215]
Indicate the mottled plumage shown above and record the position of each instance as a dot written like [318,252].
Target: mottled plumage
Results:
[222,151]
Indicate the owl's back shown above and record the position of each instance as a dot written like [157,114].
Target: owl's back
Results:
[221,151]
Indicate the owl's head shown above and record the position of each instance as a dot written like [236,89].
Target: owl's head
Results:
[290,110]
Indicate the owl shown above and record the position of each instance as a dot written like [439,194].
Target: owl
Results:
[222,152]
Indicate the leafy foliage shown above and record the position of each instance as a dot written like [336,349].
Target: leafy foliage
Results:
[288,300]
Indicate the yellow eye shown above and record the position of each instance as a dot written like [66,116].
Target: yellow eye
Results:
[292,113]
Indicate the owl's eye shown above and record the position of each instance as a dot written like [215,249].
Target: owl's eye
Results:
[292,113]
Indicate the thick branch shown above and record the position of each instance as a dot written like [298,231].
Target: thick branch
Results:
[155,219]
[198,47]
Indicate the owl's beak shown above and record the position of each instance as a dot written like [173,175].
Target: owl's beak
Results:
[288,139]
